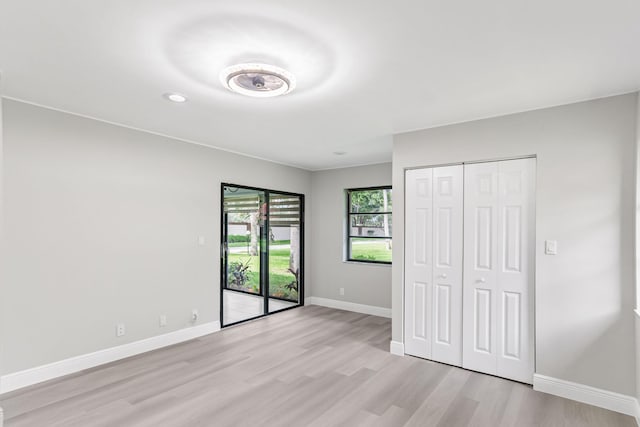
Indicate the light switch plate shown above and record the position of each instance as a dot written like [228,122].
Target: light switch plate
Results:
[551,247]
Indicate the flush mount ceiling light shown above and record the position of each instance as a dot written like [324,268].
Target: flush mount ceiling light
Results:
[258,80]
[175,97]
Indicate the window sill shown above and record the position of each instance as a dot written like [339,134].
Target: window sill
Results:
[377,264]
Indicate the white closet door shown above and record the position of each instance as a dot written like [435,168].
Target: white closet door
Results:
[447,265]
[418,265]
[480,269]
[433,264]
[516,251]
[498,272]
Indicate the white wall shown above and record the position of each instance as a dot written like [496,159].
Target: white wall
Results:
[102,226]
[368,284]
[585,200]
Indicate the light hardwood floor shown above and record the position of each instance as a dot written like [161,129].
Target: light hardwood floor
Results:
[310,366]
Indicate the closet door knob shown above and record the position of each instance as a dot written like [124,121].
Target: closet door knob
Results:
[481,280]
[443,276]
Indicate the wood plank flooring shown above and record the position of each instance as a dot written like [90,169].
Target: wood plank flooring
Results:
[310,366]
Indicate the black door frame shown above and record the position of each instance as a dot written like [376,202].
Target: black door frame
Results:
[264,255]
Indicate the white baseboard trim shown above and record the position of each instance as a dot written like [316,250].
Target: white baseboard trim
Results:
[17,380]
[397,348]
[617,402]
[349,306]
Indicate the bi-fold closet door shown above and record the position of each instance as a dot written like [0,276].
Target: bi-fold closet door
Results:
[433,264]
[469,265]
[499,251]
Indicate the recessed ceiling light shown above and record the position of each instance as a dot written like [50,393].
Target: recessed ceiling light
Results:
[258,80]
[339,153]
[175,97]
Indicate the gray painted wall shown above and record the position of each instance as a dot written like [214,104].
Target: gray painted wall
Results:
[102,226]
[585,200]
[367,284]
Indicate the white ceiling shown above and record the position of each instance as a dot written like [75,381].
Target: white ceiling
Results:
[365,68]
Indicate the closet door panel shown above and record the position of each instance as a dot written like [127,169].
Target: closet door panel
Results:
[516,269]
[418,267]
[480,266]
[499,263]
[447,269]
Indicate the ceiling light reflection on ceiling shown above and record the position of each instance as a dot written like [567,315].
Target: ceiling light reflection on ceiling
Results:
[258,80]
[175,97]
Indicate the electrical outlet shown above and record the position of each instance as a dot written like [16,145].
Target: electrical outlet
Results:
[341,291]
[120,330]
[194,315]
[163,320]
[201,240]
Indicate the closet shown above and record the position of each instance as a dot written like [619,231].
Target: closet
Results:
[469,266]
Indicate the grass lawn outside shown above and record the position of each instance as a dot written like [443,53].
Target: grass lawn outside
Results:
[279,275]
[370,250]
[244,244]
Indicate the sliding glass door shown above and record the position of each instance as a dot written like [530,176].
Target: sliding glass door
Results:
[261,252]
[243,250]
[284,250]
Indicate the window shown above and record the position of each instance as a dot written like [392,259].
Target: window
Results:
[369,225]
